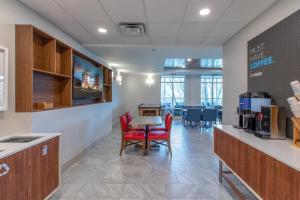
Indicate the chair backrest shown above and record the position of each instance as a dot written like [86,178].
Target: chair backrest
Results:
[168,114]
[123,123]
[210,115]
[169,123]
[186,107]
[129,116]
[199,107]
[218,107]
[194,114]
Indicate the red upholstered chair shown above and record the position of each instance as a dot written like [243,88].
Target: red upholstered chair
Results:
[162,128]
[130,137]
[129,117]
[161,137]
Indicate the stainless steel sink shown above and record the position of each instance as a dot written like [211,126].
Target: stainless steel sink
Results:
[19,139]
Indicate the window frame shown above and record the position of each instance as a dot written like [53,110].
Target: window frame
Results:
[173,79]
[213,81]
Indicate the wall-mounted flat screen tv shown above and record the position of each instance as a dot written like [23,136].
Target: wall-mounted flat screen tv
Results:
[87,79]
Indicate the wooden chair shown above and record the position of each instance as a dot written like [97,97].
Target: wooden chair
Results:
[161,128]
[161,137]
[129,117]
[130,137]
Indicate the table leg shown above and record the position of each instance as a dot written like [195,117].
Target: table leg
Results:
[220,171]
[147,130]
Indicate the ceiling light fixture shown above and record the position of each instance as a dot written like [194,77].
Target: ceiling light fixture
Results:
[102,30]
[114,64]
[204,11]
[189,59]
[119,78]
[149,80]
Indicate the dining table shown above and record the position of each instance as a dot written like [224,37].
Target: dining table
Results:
[146,121]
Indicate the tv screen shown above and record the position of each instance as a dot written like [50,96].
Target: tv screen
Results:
[87,79]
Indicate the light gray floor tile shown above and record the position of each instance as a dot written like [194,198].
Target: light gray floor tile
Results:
[191,173]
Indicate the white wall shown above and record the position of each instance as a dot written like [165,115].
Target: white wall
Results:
[192,90]
[137,91]
[10,121]
[119,99]
[81,126]
[235,54]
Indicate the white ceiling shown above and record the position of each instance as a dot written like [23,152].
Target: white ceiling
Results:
[172,23]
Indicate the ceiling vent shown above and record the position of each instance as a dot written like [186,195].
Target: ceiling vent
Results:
[133,29]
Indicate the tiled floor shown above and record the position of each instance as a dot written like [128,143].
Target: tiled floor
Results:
[192,172]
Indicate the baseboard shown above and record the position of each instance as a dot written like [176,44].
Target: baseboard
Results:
[78,156]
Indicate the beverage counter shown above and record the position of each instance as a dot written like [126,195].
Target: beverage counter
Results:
[269,168]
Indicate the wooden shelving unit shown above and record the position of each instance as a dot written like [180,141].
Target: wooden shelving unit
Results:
[44,71]
[107,84]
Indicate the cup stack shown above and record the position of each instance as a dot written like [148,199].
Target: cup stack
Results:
[294,101]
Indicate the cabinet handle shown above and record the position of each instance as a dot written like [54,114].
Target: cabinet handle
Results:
[45,150]
[5,167]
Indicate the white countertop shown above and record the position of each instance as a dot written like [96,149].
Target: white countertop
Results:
[281,150]
[7,149]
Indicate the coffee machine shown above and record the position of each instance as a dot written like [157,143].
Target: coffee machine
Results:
[271,123]
[257,100]
[243,111]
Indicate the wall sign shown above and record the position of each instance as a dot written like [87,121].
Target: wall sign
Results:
[274,61]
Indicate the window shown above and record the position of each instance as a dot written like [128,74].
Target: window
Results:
[174,62]
[212,63]
[172,91]
[193,62]
[211,91]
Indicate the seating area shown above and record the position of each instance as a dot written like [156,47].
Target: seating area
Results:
[147,135]
[199,116]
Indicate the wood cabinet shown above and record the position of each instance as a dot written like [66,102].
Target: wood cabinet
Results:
[33,173]
[268,177]
[43,169]
[13,177]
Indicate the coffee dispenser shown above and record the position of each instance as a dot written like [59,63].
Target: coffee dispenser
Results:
[271,123]
[258,99]
[243,110]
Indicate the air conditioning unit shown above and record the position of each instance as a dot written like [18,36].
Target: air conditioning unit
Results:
[133,29]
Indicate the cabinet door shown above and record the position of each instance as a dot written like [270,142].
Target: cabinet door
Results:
[34,173]
[13,177]
[21,175]
[7,178]
[44,169]
[50,166]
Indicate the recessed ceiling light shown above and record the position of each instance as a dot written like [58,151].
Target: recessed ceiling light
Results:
[102,30]
[114,64]
[204,11]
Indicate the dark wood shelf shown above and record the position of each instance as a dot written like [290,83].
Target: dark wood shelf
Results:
[51,73]
[107,85]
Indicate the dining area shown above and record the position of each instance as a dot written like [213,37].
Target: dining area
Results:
[201,116]
[196,116]
[145,132]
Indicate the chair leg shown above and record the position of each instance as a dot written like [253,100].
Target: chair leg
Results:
[144,146]
[169,146]
[148,147]
[125,145]
[122,147]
